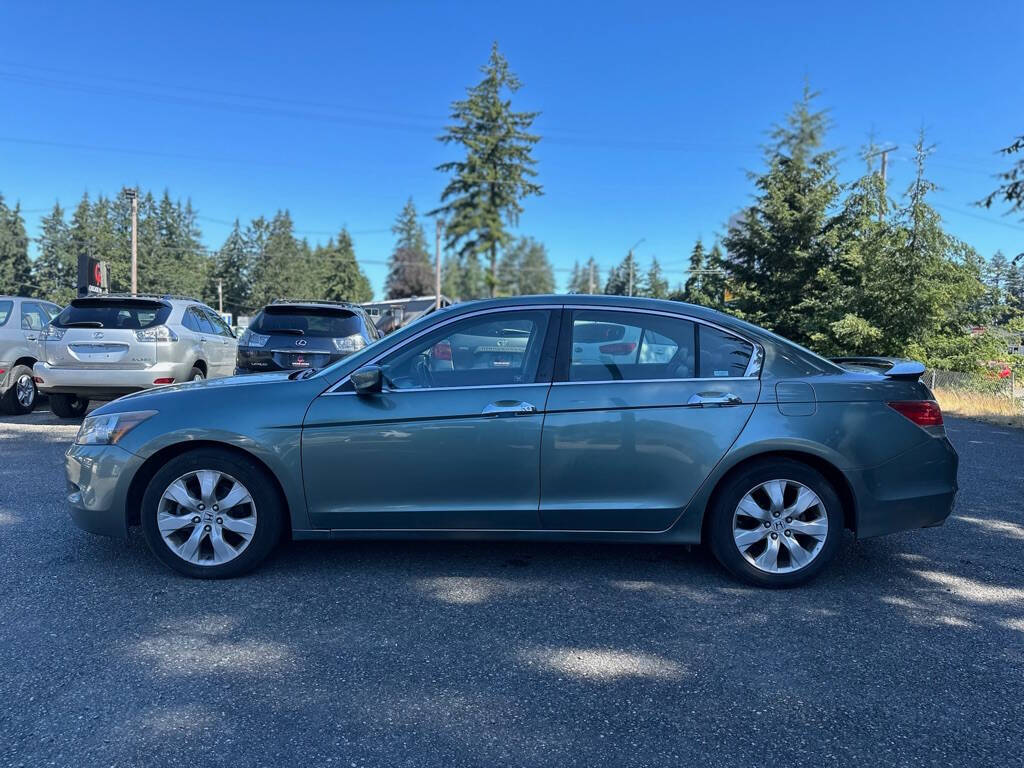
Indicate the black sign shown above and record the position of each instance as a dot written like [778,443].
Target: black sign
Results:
[92,276]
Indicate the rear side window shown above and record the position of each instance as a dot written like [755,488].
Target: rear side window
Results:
[33,316]
[628,346]
[5,311]
[200,322]
[217,322]
[112,313]
[722,354]
[308,321]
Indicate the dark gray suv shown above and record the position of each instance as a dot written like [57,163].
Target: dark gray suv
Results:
[293,335]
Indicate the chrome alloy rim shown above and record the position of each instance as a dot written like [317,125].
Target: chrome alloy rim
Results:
[780,526]
[25,391]
[206,517]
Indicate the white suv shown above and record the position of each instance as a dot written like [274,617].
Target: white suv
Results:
[22,322]
[101,347]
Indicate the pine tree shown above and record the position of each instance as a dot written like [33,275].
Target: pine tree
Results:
[590,277]
[714,283]
[231,269]
[410,272]
[655,284]
[693,289]
[55,270]
[497,172]
[575,279]
[15,269]
[996,275]
[278,262]
[1011,191]
[621,277]
[338,272]
[784,239]
[524,269]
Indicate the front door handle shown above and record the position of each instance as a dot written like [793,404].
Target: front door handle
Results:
[714,398]
[509,408]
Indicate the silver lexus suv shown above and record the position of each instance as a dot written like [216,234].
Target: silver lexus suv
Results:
[102,347]
[22,322]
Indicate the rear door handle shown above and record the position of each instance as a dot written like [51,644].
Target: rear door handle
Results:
[509,408]
[714,398]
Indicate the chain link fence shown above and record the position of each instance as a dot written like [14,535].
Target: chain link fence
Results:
[993,395]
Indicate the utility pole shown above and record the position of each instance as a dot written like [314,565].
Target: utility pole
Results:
[885,163]
[437,264]
[593,279]
[220,295]
[132,193]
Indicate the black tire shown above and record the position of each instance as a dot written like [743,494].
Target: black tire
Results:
[270,511]
[68,406]
[10,402]
[196,374]
[728,497]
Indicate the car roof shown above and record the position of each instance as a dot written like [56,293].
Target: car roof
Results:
[314,303]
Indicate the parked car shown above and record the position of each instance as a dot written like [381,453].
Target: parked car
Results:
[740,440]
[289,335]
[101,347]
[21,325]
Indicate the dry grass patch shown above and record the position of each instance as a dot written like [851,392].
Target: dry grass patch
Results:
[995,409]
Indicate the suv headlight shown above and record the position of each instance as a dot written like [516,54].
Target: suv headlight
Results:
[250,339]
[349,344]
[108,429]
[156,333]
[53,333]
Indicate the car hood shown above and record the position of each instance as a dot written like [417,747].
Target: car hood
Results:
[152,398]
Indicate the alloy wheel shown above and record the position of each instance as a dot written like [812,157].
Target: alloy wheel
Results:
[25,391]
[780,526]
[206,517]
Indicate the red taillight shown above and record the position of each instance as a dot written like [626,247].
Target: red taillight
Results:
[163,381]
[36,379]
[442,351]
[2,371]
[924,413]
[619,348]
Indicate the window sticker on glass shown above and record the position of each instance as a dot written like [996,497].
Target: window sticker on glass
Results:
[721,373]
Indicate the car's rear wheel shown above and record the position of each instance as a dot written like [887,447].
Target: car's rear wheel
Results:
[211,514]
[196,374]
[21,397]
[68,406]
[776,523]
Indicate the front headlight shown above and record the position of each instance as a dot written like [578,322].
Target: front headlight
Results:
[108,429]
[250,339]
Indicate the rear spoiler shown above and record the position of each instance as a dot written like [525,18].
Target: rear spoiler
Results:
[891,367]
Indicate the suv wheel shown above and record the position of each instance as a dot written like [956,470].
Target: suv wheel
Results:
[211,514]
[777,523]
[196,374]
[68,406]
[21,397]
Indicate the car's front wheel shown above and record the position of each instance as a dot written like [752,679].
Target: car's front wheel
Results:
[776,523]
[211,514]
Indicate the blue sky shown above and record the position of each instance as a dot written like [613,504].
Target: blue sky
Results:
[652,112]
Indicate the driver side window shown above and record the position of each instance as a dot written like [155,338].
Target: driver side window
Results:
[493,349]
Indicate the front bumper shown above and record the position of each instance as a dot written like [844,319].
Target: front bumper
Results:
[914,490]
[98,480]
[106,381]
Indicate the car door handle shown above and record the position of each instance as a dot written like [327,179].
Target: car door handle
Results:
[714,398]
[30,338]
[509,408]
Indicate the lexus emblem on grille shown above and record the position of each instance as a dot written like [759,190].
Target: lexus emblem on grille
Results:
[300,343]
[97,334]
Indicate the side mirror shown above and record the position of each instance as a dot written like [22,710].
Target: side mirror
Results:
[368,380]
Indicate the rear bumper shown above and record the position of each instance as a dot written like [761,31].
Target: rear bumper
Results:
[108,381]
[98,480]
[914,490]
[5,377]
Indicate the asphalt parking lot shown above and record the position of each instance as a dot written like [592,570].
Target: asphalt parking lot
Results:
[909,651]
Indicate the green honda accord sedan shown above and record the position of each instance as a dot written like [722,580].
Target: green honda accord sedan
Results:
[545,417]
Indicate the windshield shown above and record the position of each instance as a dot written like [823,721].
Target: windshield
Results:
[308,321]
[112,313]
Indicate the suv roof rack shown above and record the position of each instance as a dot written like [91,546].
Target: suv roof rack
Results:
[126,295]
[315,301]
